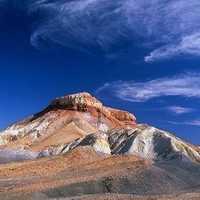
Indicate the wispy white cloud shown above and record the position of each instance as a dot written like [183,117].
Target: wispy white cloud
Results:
[179,109]
[184,85]
[80,24]
[189,45]
[171,27]
[195,122]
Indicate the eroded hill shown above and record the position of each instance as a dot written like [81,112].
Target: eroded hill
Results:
[78,147]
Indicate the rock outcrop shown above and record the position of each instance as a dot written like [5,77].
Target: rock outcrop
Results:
[143,141]
[152,144]
[98,141]
[80,102]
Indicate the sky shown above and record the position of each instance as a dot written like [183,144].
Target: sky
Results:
[139,55]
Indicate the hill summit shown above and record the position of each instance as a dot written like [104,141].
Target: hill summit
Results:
[64,120]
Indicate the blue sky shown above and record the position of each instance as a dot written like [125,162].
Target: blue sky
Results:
[138,55]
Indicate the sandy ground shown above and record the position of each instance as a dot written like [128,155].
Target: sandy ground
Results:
[85,174]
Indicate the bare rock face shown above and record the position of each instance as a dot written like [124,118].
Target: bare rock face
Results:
[98,141]
[143,141]
[80,102]
[126,117]
[152,144]
[84,102]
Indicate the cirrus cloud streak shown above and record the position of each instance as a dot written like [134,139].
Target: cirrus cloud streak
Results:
[195,122]
[179,109]
[164,28]
[184,85]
